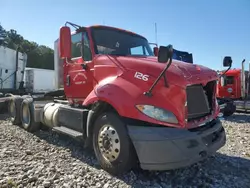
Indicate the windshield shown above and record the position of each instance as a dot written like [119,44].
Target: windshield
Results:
[115,42]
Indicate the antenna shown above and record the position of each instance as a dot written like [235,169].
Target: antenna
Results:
[156,34]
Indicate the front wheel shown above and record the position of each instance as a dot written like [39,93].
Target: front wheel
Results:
[229,109]
[112,144]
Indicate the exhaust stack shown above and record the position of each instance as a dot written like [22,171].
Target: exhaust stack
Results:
[243,86]
[248,80]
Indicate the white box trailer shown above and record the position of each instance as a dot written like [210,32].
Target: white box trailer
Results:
[12,65]
[39,80]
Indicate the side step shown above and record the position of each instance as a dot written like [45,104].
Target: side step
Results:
[67,131]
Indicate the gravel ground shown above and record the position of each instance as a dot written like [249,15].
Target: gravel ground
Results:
[47,159]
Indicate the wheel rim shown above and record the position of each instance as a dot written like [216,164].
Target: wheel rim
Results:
[109,143]
[12,109]
[26,115]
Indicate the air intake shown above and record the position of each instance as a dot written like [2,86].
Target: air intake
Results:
[197,102]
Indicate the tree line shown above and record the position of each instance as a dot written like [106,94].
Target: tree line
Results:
[39,56]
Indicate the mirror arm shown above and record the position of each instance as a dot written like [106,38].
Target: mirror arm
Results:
[225,71]
[77,27]
[165,80]
[149,92]
[169,58]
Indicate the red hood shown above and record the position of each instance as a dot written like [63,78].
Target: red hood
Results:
[179,73]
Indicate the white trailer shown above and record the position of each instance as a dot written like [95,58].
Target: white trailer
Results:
[12,65]
[39,80]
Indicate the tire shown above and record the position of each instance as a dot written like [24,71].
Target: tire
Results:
[230,108]
[120,159]
[27,116]
[14,106]
[3,107]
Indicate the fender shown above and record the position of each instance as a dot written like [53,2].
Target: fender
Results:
[118,92]
[112,91]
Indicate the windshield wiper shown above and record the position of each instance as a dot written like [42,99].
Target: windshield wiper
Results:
[165,54]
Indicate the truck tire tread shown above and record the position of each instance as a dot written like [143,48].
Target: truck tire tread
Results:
[32,126]
[229,109]
[17,100]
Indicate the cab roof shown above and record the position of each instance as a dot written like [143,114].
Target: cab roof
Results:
[233,71]
[115,28]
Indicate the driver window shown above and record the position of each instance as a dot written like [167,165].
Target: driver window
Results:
[76,40]
[75,47]
[229,80]
[87,52]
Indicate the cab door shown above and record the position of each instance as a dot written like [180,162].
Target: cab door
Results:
[230,87]
[78,75]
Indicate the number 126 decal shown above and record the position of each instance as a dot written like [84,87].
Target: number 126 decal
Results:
[141,76]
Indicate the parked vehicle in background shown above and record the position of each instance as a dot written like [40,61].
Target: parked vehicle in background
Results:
[12,65]
[39,80]
[234,85]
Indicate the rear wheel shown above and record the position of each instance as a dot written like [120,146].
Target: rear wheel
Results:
[112,144]
[14,110]
[27,116]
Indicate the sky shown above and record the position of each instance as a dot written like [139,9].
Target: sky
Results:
[209,30]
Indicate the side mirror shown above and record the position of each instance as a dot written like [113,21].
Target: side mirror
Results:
[165,52]
[65,42]
[156,50]
[227,61]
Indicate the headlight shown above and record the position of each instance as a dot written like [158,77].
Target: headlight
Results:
[157,113]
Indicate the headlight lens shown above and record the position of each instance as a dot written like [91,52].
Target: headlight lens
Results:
[157,113]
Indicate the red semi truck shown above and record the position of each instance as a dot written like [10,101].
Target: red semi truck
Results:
[234,85]
[132,107]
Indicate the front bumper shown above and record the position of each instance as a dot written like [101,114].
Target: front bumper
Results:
[163,148]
